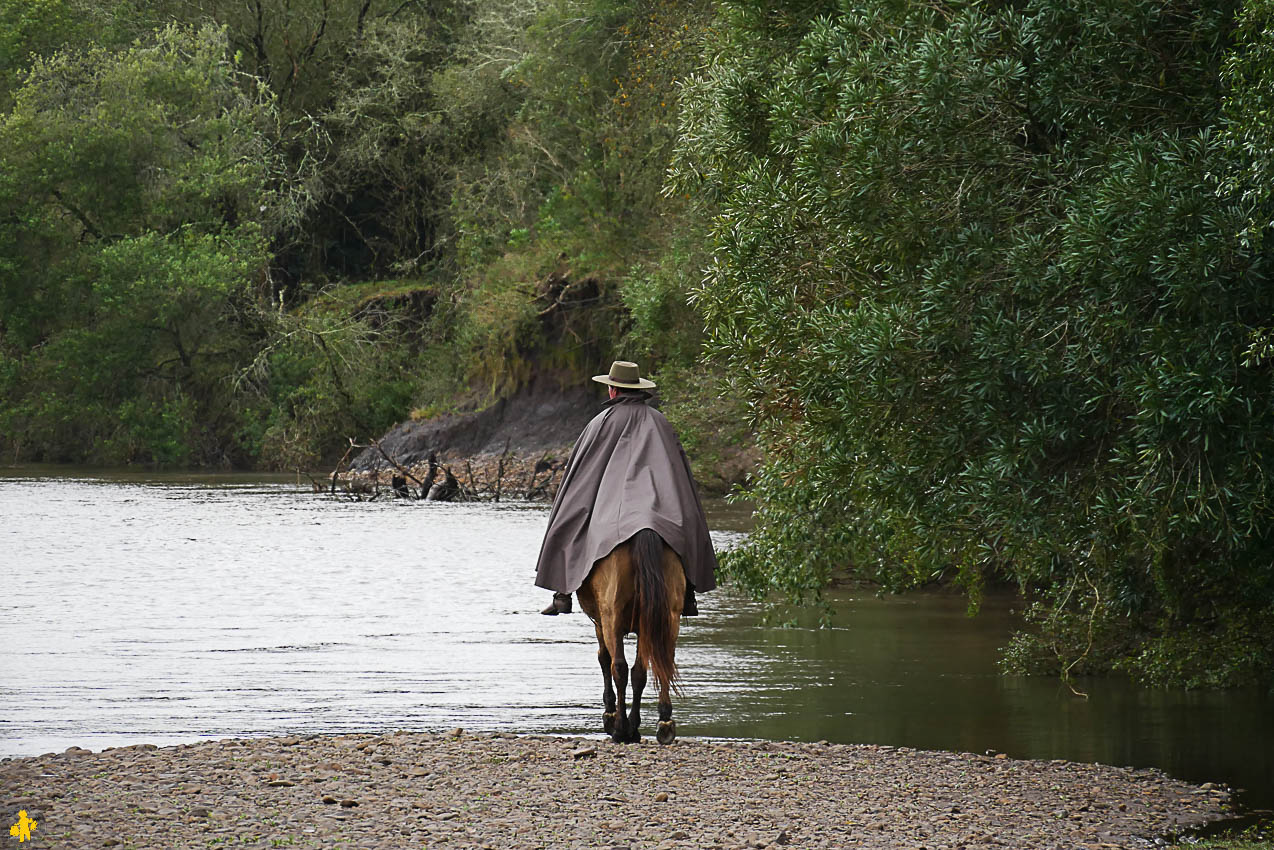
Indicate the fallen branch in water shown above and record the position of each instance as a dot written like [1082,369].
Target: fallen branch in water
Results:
[340,463]
[376,445]
[485,477]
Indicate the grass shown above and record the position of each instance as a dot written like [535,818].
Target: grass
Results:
[1258,837]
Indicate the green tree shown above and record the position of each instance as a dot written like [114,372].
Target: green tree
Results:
[135,191]
[1249,135]
[986,276]
[386,154]
[30,29]
[351,80]
[578,100]
[295,46]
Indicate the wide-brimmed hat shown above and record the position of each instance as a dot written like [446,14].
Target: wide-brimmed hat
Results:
[625,375]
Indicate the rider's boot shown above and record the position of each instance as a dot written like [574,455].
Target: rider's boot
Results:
[688,606]
[561,605]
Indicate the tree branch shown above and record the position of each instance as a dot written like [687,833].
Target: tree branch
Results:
[89,227]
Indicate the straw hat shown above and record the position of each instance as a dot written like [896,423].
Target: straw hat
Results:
[625,375]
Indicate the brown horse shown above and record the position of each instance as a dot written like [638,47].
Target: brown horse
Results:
[638,588]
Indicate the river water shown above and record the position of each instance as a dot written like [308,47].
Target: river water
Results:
[168,608]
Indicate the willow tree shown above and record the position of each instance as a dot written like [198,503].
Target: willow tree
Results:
[988,277]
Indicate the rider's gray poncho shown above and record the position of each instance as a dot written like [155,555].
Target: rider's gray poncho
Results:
[627,472]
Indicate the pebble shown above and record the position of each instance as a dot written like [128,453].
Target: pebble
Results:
[515,792]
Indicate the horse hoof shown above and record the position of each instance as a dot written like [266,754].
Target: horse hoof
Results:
[667,732]
[608,722]
[633,737]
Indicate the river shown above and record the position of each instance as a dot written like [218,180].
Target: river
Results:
[162,608]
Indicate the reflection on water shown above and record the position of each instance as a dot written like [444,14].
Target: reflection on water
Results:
[917,671]
[168,608]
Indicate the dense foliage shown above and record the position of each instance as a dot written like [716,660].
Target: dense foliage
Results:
[990,277]
[203,200]
[132,186]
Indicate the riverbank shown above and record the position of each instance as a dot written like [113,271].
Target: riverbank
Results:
[516,447]
[490,790]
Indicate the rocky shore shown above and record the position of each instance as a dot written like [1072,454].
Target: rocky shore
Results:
[417,790]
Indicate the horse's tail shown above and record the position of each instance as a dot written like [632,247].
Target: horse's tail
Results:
[655,641]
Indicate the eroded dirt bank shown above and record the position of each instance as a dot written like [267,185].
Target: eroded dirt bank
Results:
[412,790]
[515,447]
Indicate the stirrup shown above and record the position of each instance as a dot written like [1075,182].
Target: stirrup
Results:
[561,604]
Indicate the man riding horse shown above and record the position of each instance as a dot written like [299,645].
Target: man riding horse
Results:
[628,533]
[627,472]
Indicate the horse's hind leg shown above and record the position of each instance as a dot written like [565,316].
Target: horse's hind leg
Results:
[608,694]
[609,592]
[666,732]
[639,685]
[619,673]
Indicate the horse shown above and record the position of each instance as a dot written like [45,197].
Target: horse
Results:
[638,588]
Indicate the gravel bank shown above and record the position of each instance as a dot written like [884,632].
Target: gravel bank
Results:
[413,790]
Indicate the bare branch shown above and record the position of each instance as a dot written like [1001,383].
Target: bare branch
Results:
[396,464]
[362,17]
[339,463]
[322,28]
